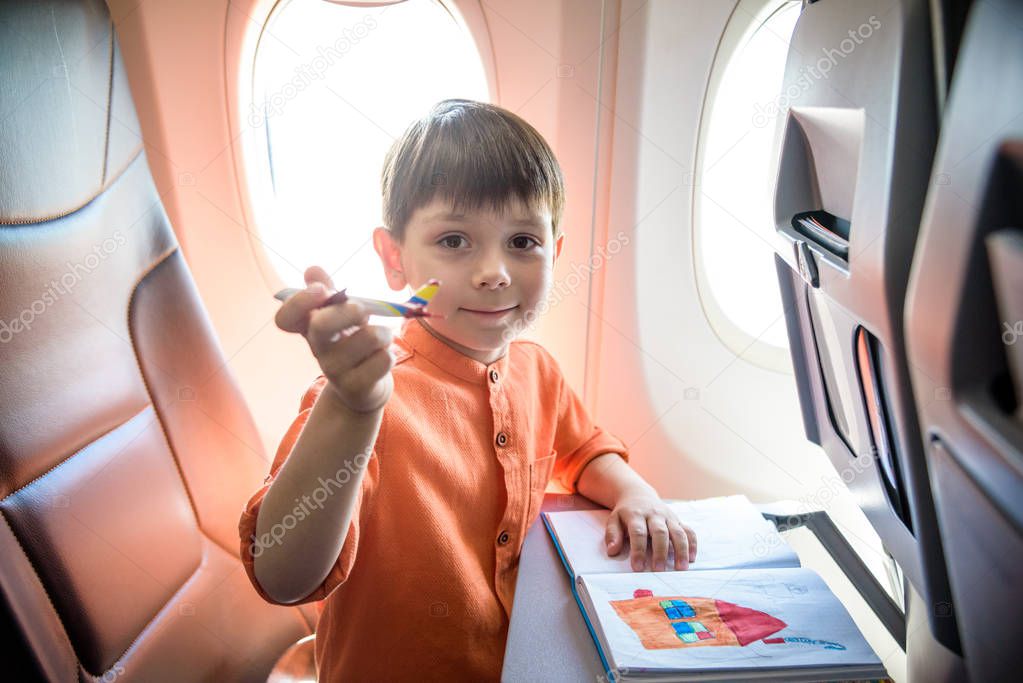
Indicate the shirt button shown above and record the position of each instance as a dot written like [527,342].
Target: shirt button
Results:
[502,438]
[493,376]
[503,538]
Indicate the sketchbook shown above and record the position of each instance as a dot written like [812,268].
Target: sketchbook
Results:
[744,610]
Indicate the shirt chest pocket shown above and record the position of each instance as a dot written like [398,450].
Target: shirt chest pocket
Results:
[540,471]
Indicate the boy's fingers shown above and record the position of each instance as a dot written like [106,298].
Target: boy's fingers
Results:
[637,537]
[659,542]
[371,369]
[691,536]
[361,380]
[613,535]
[346,354]
[317,274]
[680,542]
[293,315]
[326,325]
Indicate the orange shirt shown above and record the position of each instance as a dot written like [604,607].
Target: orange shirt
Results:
[423,586]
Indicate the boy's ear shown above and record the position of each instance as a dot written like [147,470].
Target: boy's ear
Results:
[560,242]
[389,251]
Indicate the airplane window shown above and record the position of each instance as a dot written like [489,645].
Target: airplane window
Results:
[734,222]
[334,86]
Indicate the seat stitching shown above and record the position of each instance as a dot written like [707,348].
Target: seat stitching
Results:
[90,200]
[41,584]
[110,109]
[68,458]
[145,381]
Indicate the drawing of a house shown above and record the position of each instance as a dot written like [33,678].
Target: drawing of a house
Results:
[678,622]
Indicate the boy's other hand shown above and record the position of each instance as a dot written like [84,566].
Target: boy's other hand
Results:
[353,355]
[640,517]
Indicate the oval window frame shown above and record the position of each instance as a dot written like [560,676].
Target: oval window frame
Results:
[746,19]
[251,152]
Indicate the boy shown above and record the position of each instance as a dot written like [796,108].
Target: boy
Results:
[409,519]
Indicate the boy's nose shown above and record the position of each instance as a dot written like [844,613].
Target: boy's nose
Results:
[492,275]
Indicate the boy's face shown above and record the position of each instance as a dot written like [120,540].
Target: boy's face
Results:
[494,268]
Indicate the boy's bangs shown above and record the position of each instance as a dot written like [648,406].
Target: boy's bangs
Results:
[485,173]
[475,156]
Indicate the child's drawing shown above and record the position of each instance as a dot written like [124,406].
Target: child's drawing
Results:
[678,622]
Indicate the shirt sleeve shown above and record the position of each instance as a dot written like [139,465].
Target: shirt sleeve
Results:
[577,439]
[251,546]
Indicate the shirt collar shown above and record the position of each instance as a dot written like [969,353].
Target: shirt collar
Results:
[423,342]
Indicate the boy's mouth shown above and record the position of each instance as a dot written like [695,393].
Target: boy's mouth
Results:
[490,312]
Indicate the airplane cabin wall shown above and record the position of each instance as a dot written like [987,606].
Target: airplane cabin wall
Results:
[738,427]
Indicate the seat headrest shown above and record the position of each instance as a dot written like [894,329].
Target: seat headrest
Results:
[67,122]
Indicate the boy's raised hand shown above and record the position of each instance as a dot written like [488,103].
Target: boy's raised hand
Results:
[353,354]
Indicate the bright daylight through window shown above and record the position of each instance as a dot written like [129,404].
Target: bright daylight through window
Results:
[734,219]
[335,85]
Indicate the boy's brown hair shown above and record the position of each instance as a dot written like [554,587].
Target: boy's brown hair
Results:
[474,155]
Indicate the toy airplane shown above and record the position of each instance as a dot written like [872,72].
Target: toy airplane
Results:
[415,307]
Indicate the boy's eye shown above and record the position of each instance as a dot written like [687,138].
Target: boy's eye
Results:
[524,242]
[451,241]
[519,241]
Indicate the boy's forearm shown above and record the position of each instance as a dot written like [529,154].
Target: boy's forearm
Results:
[291,561]
[608,478]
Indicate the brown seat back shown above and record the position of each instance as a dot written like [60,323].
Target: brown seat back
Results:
[126,450]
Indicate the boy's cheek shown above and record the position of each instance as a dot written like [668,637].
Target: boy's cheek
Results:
[454,290]
[444,302]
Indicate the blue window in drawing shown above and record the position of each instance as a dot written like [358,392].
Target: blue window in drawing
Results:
[691,631]
[677,609]
[682,627]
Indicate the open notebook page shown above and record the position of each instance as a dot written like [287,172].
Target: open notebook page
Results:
[730,533]
[732,620]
